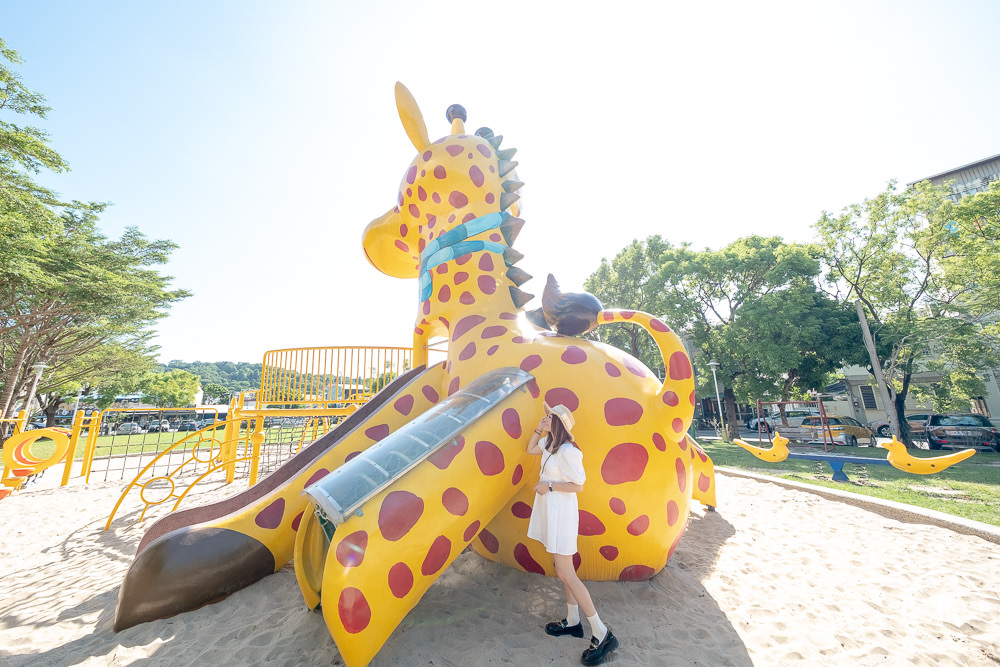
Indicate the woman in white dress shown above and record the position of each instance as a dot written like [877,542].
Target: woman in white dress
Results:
[555,522]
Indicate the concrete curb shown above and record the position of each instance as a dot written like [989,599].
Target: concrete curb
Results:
[886,508]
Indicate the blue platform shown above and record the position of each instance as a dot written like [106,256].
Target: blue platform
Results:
[837,462]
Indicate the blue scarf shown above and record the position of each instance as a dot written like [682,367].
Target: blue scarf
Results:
[453,244]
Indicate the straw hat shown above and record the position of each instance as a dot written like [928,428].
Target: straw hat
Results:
[564,415]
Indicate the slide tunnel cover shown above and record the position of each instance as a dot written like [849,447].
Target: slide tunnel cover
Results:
[351,485]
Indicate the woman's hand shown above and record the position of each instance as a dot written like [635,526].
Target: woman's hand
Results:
[545,425]
[542,488]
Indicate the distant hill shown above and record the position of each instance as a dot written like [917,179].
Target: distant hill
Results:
[233,375]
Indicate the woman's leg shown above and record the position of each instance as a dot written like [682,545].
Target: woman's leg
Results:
[576,592]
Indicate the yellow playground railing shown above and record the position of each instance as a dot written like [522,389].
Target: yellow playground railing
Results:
[304,393]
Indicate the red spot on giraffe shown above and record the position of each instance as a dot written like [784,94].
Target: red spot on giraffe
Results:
[399,513]
[486,262]
[679,366]
[636,573]
[467,352]
[495,237]
[489,541]
[531,362]
[441,269]
[432,219]
[678,425]
[402,246]
[453,149]
[624,463]
[490,198]
[411,174]
[590,524]
[455,501]
[403,229]
[521,510]
[454,384]
[617,506]
[681,474]
[639,526]
[467,299]
[492,350]
[573,355]
[443,457]
[609,552]
[518,474]
[612,370]
[403,404]
[376,433]
[400,580]
[488,284]
[486,152]
[622,412]
[444,294]
[523,557]
[635,367]
[461,277]
[607,316]
[533,388]
[627,314]
[659,442]
[351,551]
[704,482]
[414,211]
[468,216]
[270,517]
[464,258]
[426,156]
[673,513]
[465,324]
[511,421]
[493,331]
[683,443]
[471,531]
[489,458]
[657,325]
[316,476]
[691,397]
[440,172]
[297,520]
[426,307]
[671,399]
[562,396]
[351,456]
[354,611]
[476,174]
[430,393]
[458,199]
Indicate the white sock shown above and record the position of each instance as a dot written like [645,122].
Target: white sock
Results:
[572,614]
[597,628]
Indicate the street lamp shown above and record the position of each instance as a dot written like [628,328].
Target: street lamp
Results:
[713,365]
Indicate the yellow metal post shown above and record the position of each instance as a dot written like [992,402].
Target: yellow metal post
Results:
[231,439]
[74,438]
[256,439]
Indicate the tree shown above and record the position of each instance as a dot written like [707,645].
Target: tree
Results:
[172,389]
[752,306]
[899,258]
[215,393]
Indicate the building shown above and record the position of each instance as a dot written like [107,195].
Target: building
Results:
[968,179]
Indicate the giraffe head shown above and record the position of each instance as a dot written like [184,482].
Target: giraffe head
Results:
[454,180]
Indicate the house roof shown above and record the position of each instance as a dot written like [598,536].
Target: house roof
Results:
[956,169]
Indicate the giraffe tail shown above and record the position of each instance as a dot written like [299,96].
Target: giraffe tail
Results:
[677,395]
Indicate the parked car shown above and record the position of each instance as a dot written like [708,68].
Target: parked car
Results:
[961,431]
[188,426]
[158,426]
[842,430]
[793,416]
[917,422]
[129,428]
[205,423]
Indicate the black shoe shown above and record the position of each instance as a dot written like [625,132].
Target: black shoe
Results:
[598,651]
[560,628]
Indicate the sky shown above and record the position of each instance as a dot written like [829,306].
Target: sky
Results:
[262,137]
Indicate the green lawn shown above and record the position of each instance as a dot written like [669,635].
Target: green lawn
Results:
[970,489]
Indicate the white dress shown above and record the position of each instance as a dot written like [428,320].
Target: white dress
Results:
[555,516]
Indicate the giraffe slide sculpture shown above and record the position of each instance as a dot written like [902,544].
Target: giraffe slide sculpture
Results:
[455,481]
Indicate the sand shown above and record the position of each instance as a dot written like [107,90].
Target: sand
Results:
[776,576]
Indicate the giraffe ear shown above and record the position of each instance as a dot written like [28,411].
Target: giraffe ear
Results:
[386,251]
[413,120]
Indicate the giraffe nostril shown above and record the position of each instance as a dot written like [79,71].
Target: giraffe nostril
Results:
[455,111]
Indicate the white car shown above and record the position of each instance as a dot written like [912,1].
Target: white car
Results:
[129,428]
